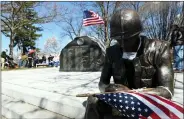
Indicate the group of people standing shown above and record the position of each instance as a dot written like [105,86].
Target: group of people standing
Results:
[7,61]
[31,59]
[28,59]
[177,46]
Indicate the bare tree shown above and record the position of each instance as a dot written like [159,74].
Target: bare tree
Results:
[157,17]
[71,22]
[105,9]
[52,46]
[72,27]
[12,19]
[161,16]
[180,17]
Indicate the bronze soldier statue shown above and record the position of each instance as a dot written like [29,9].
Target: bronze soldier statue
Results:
[135,62]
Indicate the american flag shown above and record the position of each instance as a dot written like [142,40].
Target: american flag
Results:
[91,18]
[143,105]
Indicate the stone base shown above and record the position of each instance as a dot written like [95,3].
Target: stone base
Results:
[17,109]
[50,93]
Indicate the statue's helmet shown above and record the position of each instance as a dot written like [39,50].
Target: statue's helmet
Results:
[125,24]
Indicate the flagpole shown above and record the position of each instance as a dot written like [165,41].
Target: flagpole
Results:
[122,91]
[94,94]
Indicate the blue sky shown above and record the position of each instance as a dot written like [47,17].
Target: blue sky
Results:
[49,30]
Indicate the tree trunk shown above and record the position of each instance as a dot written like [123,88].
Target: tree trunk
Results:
[11,45]
[106,32]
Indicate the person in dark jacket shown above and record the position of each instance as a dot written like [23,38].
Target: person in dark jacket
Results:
[50,60]
[177,43]
[135,62]
[44,59]
[31,55]
[30,60]
[36,60]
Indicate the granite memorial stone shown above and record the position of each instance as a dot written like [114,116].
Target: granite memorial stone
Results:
[82,54]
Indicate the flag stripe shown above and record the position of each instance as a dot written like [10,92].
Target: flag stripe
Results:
[93,23]
[164,108]
[153,116]
[88,19]
[159,112]
[142,117]
[94,20]
[178,107]
[171,108]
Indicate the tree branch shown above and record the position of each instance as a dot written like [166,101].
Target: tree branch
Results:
[6,24]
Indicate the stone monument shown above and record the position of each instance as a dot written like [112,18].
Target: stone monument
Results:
[82,54]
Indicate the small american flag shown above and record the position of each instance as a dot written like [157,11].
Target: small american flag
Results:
[143,105]
[91,18]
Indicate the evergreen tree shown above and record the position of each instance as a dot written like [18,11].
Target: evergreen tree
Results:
[27,35]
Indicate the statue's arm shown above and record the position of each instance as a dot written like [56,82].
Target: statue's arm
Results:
[164,73]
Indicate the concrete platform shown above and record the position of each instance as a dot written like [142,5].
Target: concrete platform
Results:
[16,109]
[2,117]
[51,89]
[55,91]
[70,106]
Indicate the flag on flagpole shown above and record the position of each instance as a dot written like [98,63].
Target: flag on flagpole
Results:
[91,18]
[143,105]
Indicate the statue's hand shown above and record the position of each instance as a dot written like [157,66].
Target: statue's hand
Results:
[116,87]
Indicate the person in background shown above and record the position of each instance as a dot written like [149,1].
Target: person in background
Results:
[36,60]
[8,60]
[177,43]
[30,59]
[19,60]
[50,60]
[24,60]
[56,61]
[3,59]
[31,56]
[40,59]
[2,63]
[44,59]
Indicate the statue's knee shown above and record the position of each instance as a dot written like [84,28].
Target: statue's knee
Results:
[91,108]
[92,100]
